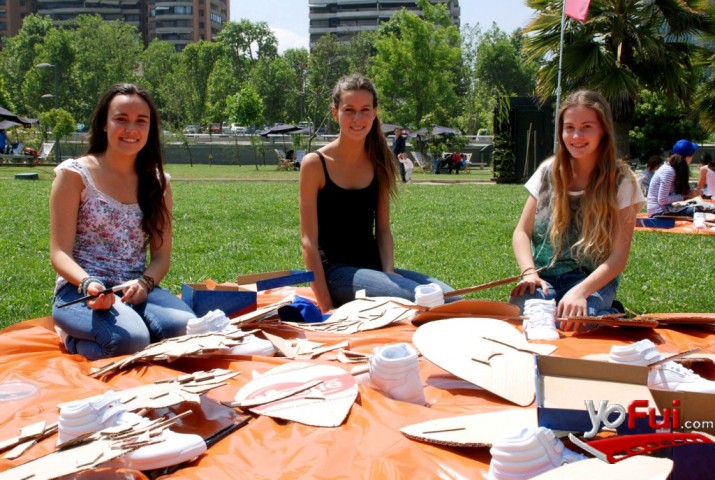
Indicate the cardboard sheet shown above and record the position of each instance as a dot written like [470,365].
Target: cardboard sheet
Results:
[367,445]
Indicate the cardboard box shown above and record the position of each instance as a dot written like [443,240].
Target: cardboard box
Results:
[565,385]
[238,298]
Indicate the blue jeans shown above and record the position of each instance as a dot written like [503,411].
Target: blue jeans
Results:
[345,280]
[123,329]
[598,303]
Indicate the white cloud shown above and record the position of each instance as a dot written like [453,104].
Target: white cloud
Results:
[288,39]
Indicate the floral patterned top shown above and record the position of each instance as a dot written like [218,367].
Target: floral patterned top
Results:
[109,243]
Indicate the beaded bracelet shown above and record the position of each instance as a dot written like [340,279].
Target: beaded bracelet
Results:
[86,281]
[147,282]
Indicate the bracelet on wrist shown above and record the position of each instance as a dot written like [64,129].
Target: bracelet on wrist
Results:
[86,281]
[147,282]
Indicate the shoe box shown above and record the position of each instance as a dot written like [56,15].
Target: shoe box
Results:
[239,297]
[574,394]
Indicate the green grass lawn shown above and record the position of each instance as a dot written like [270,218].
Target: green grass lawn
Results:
[460,233]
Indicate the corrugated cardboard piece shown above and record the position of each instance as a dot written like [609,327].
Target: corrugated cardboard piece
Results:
[240,297]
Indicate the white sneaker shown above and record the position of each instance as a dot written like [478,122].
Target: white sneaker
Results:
[217,321]
[103,411]
[394,370]
[666,376]
[527,454]
[540,321]
[699,220]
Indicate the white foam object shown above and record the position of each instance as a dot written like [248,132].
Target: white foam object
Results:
[528,453]
[665,376]
[429,295]
[540,321]
[394,370]
[699,220]
[217,321]
[105,411]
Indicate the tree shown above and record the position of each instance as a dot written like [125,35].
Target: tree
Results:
[416,68]
[297,60]
[361,50]
[247,42]
[245,107]
[60,121]
[275,82]
[500,65]
[622,48]
[327,63]
[158,62]
[197,62]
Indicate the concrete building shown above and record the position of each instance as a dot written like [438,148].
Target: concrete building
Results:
[346,18]
[178,22]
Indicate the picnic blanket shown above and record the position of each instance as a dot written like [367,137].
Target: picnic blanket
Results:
[367,445]
[681,226]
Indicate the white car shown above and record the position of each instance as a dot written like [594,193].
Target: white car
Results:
[236,129]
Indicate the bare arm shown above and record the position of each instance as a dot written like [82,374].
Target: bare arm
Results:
[383,234]
[703,177]
[521,243]
[311,181]
[64,207]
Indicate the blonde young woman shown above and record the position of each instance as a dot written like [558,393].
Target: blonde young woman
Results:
[345,192]
[577,223]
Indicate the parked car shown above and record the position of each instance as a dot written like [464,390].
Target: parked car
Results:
[236,129]
[192,129]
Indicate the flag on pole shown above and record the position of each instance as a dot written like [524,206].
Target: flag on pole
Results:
[576,9]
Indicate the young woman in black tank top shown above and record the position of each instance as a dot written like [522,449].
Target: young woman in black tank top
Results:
[345,191]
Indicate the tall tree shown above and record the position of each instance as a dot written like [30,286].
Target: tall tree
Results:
[500,65]
[623,47]
[417,65]
[327,64]
[158,62]
[274,80]
[297,60]
[247,42]
[192,78]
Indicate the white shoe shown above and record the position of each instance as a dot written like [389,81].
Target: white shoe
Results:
[527,454]
[699,220]
[394,370]
[98,413]
[217,321]
[666,376]
[540,321]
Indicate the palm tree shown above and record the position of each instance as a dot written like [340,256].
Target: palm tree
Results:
[623,47]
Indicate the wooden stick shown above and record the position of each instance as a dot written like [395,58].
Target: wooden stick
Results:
[496,283]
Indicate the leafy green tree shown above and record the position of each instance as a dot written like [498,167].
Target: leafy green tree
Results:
[18,56]
[622,48]
[222,84]
[416,68]
[658,124]
[247,42]
[60,121]
[275,81]
[245,107]
[327,64]
[158,62]
[500,65]
[297,60]
[197,62]
[361,50]
[106,53]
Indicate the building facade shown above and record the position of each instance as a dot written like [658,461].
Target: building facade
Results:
[178,22]
[346,18]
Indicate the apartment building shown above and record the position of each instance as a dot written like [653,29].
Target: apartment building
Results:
[178,22]
[346,18]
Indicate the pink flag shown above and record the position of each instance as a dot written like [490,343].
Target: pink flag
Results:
[576,9]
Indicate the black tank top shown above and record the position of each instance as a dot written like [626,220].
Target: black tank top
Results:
[346,224]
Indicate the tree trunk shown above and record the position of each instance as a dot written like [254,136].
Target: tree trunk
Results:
[623,144]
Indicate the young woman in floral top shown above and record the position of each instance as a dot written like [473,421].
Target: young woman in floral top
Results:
[106,208]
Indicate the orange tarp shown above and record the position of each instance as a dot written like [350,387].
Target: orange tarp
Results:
[681,226]
[368,445]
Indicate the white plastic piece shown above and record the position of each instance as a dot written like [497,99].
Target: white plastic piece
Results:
[394,370]
[429,295]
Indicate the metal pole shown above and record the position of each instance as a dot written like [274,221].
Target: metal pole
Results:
[58,156]
[558,81]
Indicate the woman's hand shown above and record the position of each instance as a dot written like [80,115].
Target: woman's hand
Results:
[135,294]
[573,304]
[528,284]
[101,302]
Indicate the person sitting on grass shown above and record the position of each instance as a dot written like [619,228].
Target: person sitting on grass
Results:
[345,191]
[574,236]
[671,185]
[106,208]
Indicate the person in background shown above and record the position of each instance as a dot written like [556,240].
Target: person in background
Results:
[345,192]
[4,141]
[574,236]
[670,183]
[706,182]
[399,145]
[407,165]
[654,162]
[106,209]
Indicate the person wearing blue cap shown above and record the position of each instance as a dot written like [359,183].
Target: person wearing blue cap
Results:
[670,183]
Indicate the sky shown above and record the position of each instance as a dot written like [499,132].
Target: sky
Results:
[289,18]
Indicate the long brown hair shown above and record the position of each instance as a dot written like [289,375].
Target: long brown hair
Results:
[375,143]
[149,164]
[681,183]
[598,213]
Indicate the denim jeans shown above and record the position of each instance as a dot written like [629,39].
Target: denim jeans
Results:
[123,329]
[598,303]
[345,280]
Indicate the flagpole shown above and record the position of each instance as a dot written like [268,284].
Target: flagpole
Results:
[558,78]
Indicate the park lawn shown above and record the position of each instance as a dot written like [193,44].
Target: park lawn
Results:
[460,233]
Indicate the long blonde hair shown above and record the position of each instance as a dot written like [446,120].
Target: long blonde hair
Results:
[375,143]
[598,213]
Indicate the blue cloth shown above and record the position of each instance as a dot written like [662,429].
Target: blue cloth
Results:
[123,329]
[301,310]
[345,280]
[599,303]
